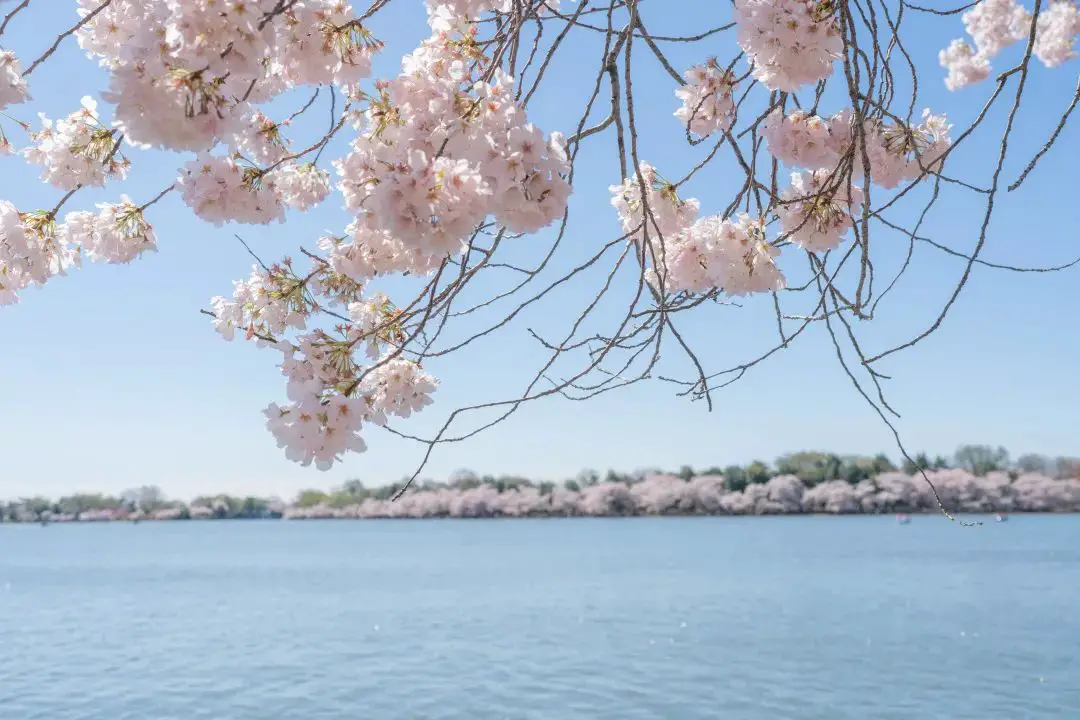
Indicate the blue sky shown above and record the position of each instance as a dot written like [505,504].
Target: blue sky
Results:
[111,377]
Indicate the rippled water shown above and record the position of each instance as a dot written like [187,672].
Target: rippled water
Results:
[752,618]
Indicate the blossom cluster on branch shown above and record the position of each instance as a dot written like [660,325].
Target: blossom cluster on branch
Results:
[444,166]
[994,25]
[438,150]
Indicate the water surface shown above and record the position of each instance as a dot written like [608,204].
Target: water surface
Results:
[620,619]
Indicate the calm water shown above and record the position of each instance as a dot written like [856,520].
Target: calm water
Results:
[757,618]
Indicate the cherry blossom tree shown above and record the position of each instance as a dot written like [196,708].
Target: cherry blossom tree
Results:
[708,495]
[443,172]
[652,495]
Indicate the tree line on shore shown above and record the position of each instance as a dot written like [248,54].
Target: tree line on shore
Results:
[978,478]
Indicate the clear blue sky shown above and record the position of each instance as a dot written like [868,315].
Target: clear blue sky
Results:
[111,377]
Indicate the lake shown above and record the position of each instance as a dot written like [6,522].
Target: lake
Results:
[756,618]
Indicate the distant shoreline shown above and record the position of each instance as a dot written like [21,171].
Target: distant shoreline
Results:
[888,493]
[332,518]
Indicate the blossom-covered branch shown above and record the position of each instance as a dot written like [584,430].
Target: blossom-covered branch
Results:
[444,175]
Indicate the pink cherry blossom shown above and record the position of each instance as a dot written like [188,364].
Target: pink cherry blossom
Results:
[1056,33]
[77,150]
[790,42]
[13,89]
[706,97]
[818,209]
[965,65]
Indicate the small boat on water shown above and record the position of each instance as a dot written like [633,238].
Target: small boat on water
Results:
[1001,517]
[903,518]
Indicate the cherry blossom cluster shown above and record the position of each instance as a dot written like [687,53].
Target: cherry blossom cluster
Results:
[117,234]
[896,150]
[332,396]
[667,213]
[35,248]
[322,42]
[13,89]
[301,186]
[397,387]
[818,209]
[447,15]
[717,252]
[815,212]
[802,140]
[366,251]
[183,72]
[441,151]
[691,254]
[235,188]
[706,97]
[30,251]
[899,152]
[314,428]
[77,150]
[175,86]
[1056,33]
[995,25]
[321,429]
[260,140]
[264,305]
[789,42]
[373,324]
[965,65]
[220,188]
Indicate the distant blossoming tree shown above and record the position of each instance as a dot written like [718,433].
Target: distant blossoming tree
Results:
[444,171]
[710,495]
